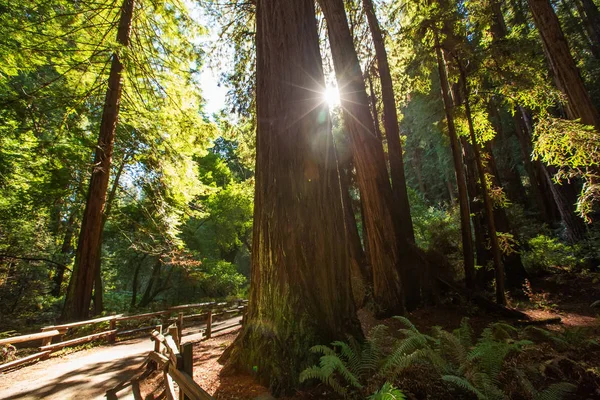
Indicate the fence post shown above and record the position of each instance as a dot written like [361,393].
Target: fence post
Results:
[113,325]
[175,334]
[209,325]
[156,342]
[180,326]
[188,365]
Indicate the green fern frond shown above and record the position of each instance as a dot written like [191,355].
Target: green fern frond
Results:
[322,349]
[533,332]
[388,392]
[557,391]
[451,348]
[503,331]
[465,385]
[406,322]
[465,333]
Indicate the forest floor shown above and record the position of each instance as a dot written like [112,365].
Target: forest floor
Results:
[564,295]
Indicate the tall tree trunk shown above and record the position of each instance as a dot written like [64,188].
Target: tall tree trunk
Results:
[565,197]
[98,291]
[515,271]
[152,285]
[392,257]
[477,213]
[359,272]
[300,292]
[487,201]
[563,66]
[463,199]
[134,284]
[79,296]
[373,101]
[565,71]
[66,252]
[592,31]
[391,124]
[538,184]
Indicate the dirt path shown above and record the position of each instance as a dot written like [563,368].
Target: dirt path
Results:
[86,374]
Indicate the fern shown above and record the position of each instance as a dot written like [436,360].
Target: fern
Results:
[387,392]
[465,385]
[556,392]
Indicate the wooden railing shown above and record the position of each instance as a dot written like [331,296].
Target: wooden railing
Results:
[176,363]
[209,311]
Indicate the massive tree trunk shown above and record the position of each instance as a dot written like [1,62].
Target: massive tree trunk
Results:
[463,198]
[79,296]
[392,258]
[391,125]
[300,292]
[566,73]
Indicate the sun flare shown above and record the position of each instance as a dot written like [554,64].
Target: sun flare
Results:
[331,96]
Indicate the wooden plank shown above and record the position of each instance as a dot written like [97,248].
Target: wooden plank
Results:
[84,339]
[142,316]
[169,387]
[173,351]
[174,332]
[136,330]
[188,364]
[186,306]
[158,358]
[189,386]
[80,323]
[23,360]
[158,337]
[27,338]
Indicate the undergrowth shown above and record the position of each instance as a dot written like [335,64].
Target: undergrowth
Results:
[499,364]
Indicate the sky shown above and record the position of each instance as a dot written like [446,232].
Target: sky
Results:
[213,93]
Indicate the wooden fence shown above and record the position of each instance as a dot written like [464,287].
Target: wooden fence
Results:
[208,312]
[177,365]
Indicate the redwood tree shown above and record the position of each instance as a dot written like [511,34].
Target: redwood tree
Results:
[392,256]
[79,295]
[300,292]
[390,123]
[566,74]
[463,198]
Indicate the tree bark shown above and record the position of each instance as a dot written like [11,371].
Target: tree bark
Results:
[391,124]
[392,259]
[79,296]
[463,199]
[98,290]
[300,292]
[359,272]
[566,73]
